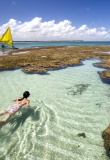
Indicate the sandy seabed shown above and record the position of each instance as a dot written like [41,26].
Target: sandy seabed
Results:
[69,109]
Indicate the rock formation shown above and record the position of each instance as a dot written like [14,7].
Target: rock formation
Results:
[106,138]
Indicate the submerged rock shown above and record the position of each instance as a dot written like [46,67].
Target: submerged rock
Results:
[78,89]
[82,135]
[106,137]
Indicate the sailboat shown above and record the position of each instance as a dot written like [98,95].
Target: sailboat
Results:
[7,37]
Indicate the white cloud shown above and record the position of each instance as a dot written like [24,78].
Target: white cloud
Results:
[36,29]
[83,27]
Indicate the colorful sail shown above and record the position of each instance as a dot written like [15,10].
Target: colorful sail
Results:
[6,37]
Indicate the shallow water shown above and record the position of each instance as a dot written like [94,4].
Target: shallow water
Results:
[64,103]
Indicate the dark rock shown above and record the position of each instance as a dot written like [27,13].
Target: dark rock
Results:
[106,138]
[82,135]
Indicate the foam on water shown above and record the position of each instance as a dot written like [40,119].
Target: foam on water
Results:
[64,104]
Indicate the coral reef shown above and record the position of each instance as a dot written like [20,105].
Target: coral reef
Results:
[106,137]
[40,60]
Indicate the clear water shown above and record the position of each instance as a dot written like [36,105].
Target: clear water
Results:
[27,44]
[63,104]
[58,43]
[24,44]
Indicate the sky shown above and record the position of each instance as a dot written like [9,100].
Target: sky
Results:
[43,20]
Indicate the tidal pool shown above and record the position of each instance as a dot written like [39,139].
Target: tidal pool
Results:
[69,109]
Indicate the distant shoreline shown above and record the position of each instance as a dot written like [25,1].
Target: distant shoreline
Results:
[62,41]
[54,41]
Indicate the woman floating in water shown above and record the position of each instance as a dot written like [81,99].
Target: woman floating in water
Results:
[15,107]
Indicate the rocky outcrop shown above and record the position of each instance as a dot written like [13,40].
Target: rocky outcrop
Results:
[106,138]
[40,60]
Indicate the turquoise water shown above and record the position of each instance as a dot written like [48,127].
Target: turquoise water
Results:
[30,44]
[57,43]
[64,104]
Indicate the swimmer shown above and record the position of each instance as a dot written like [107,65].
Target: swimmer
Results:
[10,110]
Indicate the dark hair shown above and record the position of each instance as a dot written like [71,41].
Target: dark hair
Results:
[26,94]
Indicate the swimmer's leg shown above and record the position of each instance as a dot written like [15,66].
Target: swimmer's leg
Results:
[3,112]
[6,118]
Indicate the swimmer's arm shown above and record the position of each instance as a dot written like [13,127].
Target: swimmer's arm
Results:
[17,99]
[27,104]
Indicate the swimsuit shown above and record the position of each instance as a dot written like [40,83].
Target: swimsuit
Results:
[12,108]
[19,102]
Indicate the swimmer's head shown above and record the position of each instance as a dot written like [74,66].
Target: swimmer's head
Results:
[26,94]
